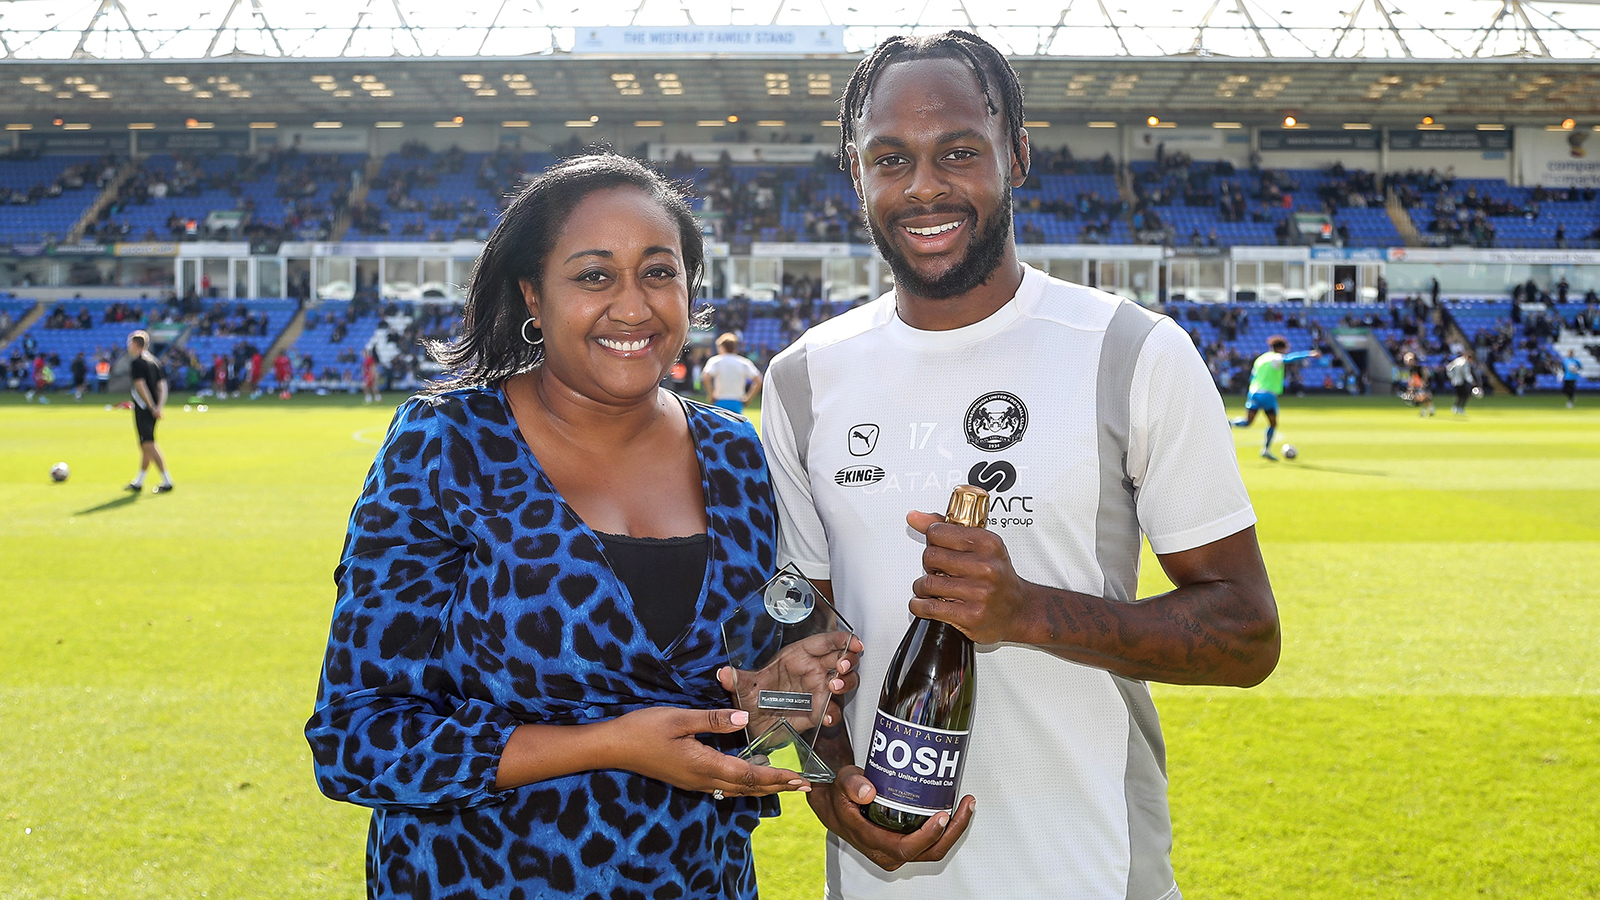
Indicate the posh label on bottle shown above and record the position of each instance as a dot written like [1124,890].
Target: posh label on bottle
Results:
[915,769]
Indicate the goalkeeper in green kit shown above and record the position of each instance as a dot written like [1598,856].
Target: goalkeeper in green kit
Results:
[1266,383]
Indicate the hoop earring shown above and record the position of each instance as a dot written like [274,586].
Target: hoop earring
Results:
[531,342]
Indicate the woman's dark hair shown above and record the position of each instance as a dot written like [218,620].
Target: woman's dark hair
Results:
[990,65]
[491,347]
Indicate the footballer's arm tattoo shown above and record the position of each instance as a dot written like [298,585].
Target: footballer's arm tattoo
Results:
[1218,626]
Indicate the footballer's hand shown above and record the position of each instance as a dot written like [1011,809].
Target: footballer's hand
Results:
[969,581]
[838,807]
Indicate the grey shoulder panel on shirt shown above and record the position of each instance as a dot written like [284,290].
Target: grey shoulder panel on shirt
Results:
[1116,520]
[1117,550]
[1144,788]
[790,376]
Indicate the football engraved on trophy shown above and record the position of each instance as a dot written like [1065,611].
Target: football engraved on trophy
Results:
[790,598]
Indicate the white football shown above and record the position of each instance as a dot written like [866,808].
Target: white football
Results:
[59,472]
[1289,452]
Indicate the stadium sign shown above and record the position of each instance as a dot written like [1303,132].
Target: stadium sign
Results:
[419,249]
[1450,140]
[722,40]
[1308,139]
[73,142]
[215,141]
[145,248]
[759,154]
[809,250]
[1188,140]
[1471,255]
[1349,254]
[1559,158]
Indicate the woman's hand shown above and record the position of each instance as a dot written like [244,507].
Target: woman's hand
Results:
[659,742]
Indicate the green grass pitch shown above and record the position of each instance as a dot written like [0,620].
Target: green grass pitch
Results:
[1431,731]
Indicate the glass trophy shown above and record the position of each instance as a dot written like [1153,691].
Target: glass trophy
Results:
[784,645]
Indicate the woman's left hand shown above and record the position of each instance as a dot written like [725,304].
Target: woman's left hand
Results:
[659,742]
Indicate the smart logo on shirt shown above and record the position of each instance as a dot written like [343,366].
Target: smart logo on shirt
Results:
[997,477]
[994,477]
[995,421]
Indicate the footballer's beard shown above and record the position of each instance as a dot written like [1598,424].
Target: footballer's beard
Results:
[984,253]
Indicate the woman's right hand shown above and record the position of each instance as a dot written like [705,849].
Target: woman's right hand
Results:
[659,742]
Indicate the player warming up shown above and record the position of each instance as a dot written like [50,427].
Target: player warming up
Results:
[1266,383]
[149,398]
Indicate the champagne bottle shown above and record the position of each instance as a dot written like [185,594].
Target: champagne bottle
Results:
[919,741]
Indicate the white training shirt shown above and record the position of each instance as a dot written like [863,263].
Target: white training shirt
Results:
[727,375]
[866,418]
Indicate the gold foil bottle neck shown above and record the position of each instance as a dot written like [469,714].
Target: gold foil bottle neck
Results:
[969,506]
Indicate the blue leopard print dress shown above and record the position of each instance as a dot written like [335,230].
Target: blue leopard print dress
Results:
[471,599]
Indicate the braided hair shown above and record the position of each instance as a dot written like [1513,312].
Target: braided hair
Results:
[993,71]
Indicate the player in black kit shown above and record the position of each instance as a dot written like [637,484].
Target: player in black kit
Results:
[149,398]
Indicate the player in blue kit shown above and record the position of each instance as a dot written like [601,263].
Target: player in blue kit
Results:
[1571,368]
[1266,383]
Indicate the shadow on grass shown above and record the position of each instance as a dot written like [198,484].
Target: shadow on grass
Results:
[1341,470]
[109,505]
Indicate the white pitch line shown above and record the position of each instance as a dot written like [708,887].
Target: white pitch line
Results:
[360,436]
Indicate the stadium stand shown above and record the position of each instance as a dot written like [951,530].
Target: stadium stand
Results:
[283,196]
[328,352]
[419,195]
[12,312]
[1488,212]
[44,196]
[1185,202]
[228,328]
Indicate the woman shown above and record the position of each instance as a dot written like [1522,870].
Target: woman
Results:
[525,643]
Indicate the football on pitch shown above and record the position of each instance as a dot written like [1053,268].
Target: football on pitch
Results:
[59,472]
[1289,452]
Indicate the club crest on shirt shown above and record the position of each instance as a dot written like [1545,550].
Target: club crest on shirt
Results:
[863,439]
[995,421]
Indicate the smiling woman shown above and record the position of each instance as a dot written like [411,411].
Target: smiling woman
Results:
[526,639]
